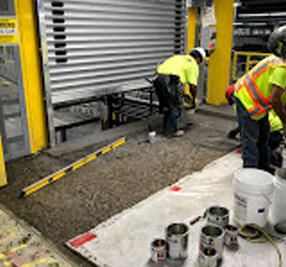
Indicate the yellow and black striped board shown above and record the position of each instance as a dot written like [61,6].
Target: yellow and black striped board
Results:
[59,174]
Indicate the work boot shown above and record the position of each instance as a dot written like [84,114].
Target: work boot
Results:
[179,133]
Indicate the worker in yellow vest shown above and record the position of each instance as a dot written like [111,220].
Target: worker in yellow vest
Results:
[171,75]
[256,93]
[276,129]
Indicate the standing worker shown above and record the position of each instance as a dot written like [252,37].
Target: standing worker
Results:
[256,93]
[176,71]
[276,129]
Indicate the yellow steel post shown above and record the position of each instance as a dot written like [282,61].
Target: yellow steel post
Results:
[234,67]
[247,63]
[31,72]
[5,55]
[3,176]
[192,20]
[220,59]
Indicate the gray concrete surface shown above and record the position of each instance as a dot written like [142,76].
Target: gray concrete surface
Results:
[117,180]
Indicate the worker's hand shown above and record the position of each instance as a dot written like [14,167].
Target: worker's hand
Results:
[232,133]
[193,106]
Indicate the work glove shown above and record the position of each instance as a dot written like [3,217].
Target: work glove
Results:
[232,134]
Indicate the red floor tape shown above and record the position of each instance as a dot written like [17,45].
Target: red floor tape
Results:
[175,188]
[79,241]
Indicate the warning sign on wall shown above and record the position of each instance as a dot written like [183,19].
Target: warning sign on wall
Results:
[8,30]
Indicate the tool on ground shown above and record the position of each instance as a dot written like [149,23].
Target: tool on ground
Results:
[177,239]
[195,220]
[208,257]
[59,174]
[158,250]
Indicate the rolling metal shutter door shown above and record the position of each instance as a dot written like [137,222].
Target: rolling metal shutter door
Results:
[97,47]
[97,44]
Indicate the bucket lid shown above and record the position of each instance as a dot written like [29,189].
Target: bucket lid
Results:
[254,178]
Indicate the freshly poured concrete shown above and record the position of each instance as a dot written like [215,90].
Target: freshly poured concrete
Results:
[124,240]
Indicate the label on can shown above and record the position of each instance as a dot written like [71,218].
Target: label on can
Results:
[158,251]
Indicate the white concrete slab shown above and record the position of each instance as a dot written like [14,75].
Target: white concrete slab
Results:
[124,240]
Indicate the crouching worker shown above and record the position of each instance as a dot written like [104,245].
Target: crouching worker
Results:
[172,74]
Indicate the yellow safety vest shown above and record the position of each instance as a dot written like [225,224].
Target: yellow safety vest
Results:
[253,89]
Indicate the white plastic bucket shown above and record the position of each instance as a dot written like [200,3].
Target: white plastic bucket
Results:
[252,190]
[279,200]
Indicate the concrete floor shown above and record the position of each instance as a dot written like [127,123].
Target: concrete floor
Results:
[117,180]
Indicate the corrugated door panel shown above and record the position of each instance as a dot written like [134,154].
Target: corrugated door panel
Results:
[98,45]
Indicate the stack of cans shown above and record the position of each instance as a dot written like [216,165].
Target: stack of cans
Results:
[175,247]
[214,235]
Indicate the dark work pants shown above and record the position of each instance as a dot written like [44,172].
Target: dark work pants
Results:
[255,138]
[172,104]
[274,142]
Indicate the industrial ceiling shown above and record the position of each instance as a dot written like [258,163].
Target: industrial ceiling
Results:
[268,11]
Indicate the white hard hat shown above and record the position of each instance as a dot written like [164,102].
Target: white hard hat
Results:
[201,51]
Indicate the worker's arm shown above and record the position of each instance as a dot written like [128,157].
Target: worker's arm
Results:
[193,90]
[276,94]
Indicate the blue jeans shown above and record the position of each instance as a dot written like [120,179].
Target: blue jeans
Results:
[254,138]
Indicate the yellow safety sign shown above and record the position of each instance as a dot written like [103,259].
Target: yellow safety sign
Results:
[8,30]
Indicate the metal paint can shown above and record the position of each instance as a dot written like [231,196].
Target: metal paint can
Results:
[208,257]
[231,236]
[177,240]
[212,236]
[158,250]
[218,215]
[152,137]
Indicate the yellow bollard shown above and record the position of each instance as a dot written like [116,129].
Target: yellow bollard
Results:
[3,176]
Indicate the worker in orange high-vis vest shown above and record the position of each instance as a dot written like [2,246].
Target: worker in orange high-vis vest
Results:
[256,93]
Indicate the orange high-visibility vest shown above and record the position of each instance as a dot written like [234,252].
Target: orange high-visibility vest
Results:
[254,89]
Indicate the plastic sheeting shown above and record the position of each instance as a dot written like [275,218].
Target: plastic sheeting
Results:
[125,239]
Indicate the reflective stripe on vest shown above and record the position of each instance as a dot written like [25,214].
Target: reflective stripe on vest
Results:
[264,67]
[261,104]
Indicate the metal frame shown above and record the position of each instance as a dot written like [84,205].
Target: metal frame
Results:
[46,76]
[18,90]
[248,62]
